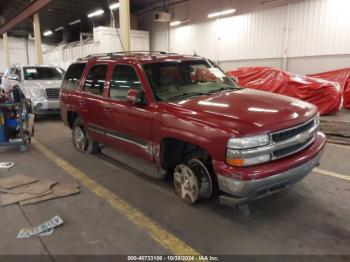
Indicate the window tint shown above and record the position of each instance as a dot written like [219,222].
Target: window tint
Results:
[73,76]
[95,80]
[124,77]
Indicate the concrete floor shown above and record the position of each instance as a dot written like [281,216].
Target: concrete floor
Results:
[311,218]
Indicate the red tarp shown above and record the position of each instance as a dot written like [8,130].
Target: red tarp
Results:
[342,77]
[327,96]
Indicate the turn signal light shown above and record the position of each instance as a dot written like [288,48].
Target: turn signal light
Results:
[235,161]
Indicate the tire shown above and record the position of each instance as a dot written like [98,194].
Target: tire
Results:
[80,139]
[192,179]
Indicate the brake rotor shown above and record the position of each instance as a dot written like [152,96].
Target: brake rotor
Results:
[203,175]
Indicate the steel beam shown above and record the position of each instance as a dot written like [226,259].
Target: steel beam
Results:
[31,9]
[124,21]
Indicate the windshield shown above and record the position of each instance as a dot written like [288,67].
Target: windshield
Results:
[179,79]
[43,73]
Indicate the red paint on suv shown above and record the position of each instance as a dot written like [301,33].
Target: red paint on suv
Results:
[183,115]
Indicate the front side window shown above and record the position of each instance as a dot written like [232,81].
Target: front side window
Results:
[43,73]
[96,79]
[180,79]
[18,73]
[73,75]
[124,78]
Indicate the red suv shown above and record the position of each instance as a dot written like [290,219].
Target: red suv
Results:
[195,124]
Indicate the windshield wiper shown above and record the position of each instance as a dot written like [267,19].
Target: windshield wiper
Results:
[223,89]
[185,95]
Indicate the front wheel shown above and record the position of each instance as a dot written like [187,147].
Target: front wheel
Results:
[81,140]
[192,181]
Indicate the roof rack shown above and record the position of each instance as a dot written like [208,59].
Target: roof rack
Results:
[123,53]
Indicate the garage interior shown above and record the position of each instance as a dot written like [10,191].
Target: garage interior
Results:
[117,210]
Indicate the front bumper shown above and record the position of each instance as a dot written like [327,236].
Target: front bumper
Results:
[44,106]
[281,175]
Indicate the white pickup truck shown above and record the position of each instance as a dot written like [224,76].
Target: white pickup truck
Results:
[39,84]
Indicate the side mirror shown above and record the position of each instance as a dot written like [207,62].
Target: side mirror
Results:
[14,77]
[135,96]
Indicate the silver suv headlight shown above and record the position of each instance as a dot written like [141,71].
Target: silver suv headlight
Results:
[236,145]
[37,92]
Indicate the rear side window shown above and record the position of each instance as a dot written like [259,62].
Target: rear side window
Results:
[72,78]
[124,77]
[96,79]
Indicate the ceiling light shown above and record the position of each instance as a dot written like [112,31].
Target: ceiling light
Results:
[96,13]
[58,29]
[47,33]
[114,6]
[176,23]
[75,22]
[226,12]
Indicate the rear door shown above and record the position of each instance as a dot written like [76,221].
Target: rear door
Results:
[128,125]
[92,101]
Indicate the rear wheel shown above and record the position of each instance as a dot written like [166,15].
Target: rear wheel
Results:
[192,180]
[81,140]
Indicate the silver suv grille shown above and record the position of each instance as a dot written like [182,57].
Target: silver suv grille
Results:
[53,93]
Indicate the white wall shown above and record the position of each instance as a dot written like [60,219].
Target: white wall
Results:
[18,52]
[105,40]
[316,31]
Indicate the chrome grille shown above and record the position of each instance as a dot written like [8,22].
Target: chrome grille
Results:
[53,93]
[280,136]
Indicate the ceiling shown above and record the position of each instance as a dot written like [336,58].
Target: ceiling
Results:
[61,12]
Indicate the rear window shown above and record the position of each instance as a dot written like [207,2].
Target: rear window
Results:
[72,78]
[43,73]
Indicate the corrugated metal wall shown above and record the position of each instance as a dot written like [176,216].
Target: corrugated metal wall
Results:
[302,28]
[18,52]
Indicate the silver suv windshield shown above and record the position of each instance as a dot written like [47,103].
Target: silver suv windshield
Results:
[175,80]
[42,73]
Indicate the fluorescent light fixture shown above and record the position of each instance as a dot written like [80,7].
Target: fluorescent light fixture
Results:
[96,13]
[47,33]
[226,12]
[114,6]
[58,29]
[75,22]
[176,23]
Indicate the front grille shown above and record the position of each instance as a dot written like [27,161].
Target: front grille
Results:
[292,149]
[283,135]
[53,93]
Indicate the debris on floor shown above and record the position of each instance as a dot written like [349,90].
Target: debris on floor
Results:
[43,229]
[58,190]
[6,165]
[16,181]
[27,190]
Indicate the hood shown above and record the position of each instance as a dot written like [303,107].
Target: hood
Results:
[42,84]
[245,112]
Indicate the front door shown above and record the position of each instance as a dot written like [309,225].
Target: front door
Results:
[129,125]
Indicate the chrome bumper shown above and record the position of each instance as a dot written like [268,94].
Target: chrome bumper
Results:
[44,106]
[244,191]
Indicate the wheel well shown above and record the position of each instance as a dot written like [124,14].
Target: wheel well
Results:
[71,116]
[174,151]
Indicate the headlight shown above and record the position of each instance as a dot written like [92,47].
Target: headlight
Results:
[248,142]
[37,92]
[236,146]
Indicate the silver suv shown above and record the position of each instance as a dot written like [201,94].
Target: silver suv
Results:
[39,84]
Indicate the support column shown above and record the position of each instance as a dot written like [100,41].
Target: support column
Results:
[6,49]
[124,21]
[37,36]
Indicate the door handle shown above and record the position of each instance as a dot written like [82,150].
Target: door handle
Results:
[107,109]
